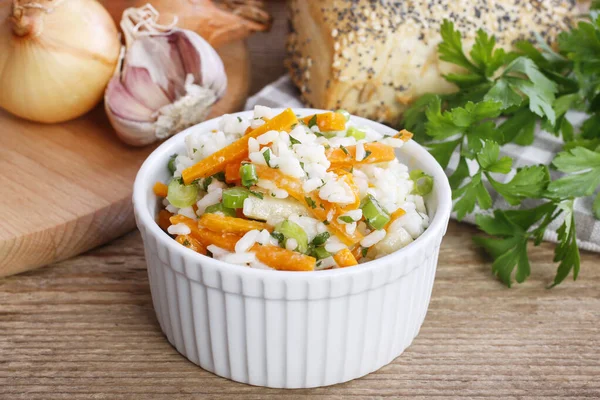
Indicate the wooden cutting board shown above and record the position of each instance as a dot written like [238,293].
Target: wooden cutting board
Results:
[66,188]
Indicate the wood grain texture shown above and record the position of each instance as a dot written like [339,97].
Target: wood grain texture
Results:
[85,329]
[67,187]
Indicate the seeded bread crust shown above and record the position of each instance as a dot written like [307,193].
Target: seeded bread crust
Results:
[373,58]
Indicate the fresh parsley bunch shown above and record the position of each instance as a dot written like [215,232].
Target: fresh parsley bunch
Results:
[502,97]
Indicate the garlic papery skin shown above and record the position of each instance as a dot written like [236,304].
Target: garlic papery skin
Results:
[167,79]
[56,57]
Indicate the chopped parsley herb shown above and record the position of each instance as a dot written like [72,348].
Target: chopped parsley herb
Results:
[257,194]
[345,150]
[206,182]
[171,164]
[364,251]
[367,154]
[346,219]
[267,156]
[311,203]
[195,149]
[325,222]
[320,239]
[301,165]
[278,236]
[220,176]
[239,119]
[313,121]
[294,141]
[186,243]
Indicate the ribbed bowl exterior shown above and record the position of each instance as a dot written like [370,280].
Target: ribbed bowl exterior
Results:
[268,333]
[285,329]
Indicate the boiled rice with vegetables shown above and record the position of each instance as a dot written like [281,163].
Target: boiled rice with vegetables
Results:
[326,192]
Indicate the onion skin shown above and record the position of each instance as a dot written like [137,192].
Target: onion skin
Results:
[217,25]
[54,66]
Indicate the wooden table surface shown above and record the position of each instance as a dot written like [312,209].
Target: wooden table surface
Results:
[85,329]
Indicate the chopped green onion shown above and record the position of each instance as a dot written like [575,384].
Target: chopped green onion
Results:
[294,141]
[423,182]
[346,219]
[320,239]
[345,150]
[234,197]
[313,121]
[345,113]
[364,251]
[377,217]
[181,195]
[356,133]
[320,253]
[248,174]
[311,203]
[220,208]
[171,164]
[291,230]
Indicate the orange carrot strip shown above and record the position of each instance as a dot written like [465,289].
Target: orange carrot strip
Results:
[329,121]
[345,258]
[404,135]
[237,150]
[232,172]
[395,215]
[225,241]
[273,256]
[283,259]
[379,153]
[160,189]
[322,208]
[182,219]
[191,243]
[225,224]
[163,219]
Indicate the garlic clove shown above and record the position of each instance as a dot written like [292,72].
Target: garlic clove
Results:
[135,133]
[212,72]
[161,59]
[139,83]
[120,102]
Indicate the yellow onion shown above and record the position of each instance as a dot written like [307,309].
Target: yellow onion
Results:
[56,57]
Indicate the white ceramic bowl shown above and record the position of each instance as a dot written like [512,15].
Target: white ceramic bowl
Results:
[289,329]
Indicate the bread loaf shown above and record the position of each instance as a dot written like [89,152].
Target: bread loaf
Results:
[374,57]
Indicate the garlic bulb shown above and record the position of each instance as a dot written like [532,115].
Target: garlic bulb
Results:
[56,57]
[167,79]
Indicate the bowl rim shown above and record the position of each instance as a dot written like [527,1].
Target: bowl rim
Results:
[142,184]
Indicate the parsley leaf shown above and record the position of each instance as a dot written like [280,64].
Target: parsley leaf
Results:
[509,250]
[470,194]
[583,168]
[488,158]
[529,182]
[566,251]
